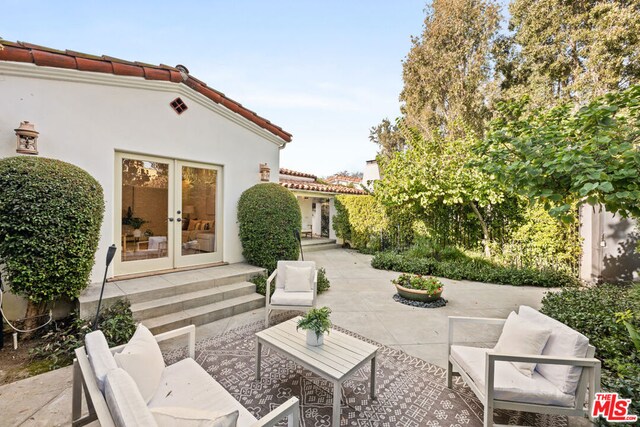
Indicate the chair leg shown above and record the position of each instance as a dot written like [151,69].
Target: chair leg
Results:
[266,317]
[488,413]
[449,375]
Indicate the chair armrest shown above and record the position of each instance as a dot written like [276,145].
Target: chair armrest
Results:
[315,287]
[288,409]
[477,320]
[269,280]
[189,330]
[549,360]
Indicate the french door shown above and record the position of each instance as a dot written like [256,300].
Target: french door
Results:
[167,213]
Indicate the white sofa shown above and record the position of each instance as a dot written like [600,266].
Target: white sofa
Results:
[564,369]
[184,385]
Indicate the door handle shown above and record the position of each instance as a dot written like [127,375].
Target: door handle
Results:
[178,219]
[170,219]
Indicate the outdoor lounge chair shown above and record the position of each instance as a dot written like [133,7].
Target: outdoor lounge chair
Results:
[185,390]
[558,385]
[296,287]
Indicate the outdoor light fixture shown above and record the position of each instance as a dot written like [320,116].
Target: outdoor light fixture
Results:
[265,172]
[27,142]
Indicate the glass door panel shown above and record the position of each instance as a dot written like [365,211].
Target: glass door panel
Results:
[197,202]
[145,190]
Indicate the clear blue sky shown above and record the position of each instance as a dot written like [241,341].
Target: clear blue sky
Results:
[326,71]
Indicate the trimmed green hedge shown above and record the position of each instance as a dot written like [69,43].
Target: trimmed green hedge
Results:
[360,220]
[50,218]
[591,311]
[268,214]
[470,268]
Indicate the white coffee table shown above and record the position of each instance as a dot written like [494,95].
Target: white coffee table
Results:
[339,356]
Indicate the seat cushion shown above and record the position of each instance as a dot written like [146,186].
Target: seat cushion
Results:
[298,279]
[189,417]
[126,405]
[186,384]
[100,356]
[523,337]
[142,359]
[563,342]
[509,384]
[281,297]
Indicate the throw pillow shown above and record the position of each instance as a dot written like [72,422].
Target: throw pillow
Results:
[297,279]
[142,359]
[187,417]
[520,337]
[126,405]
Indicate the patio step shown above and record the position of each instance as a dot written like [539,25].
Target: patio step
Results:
[204,314]
[321,247]
[162,306]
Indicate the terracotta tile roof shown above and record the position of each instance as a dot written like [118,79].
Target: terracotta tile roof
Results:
[353,179]
[47,57]
[294,184]
[290,172]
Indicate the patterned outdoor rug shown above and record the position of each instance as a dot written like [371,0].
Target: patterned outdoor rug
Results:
[410,391]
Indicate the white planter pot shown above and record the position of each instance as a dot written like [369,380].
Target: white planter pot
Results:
[313,340]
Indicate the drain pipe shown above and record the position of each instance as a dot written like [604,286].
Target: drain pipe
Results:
[110,254]
[296,234]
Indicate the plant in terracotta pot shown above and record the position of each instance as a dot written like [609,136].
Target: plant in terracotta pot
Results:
[418,288]
[316,322]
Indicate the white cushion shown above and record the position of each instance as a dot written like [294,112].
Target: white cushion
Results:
[281,277]
[175,416]
[281,297]
[521,336]
[298,279]
[142,359]
[126,405]
[100,356]
[563,342]
[509,383]
[186,384]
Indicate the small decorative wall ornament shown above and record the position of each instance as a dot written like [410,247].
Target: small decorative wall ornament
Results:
[265,172]
[27,142]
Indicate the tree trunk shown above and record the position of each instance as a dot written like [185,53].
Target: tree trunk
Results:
[34,317]
[485,230]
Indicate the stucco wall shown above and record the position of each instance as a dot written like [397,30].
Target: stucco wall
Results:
[86,122]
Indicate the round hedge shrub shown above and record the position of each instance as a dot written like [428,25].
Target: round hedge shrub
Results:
[50,218]
[268,214]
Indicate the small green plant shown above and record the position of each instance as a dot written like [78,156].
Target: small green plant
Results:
[625,318]
[316,320]
[323,282]
[421,283]
[62,338]
[137,222]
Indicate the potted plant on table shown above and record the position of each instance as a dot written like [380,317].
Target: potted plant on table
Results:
[136,223]
[316,322]
[418,288]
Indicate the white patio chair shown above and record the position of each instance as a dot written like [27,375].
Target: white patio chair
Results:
[295,291]
[558,385]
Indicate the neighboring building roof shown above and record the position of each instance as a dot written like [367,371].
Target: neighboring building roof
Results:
[290,172]
[47,57]
[336,178]
[294,184]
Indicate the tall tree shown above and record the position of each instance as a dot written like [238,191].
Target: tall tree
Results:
[446,73]
[564,50]
[388,137]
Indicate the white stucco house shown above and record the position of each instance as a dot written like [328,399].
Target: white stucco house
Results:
[370,174]
[316,200]
[172,154]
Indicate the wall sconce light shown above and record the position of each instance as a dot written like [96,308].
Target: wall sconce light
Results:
[27,142]
[265,172]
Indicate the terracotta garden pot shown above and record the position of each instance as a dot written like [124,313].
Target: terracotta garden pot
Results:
[417,295]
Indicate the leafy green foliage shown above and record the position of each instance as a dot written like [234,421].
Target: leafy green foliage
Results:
[474,268]
[360,220]
[62,338]
[261,282]
[268,214]
[50,218]
[316,320]
[564,157]
[592,311]
[418,282]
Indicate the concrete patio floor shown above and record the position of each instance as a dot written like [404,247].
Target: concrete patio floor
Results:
[361,300]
